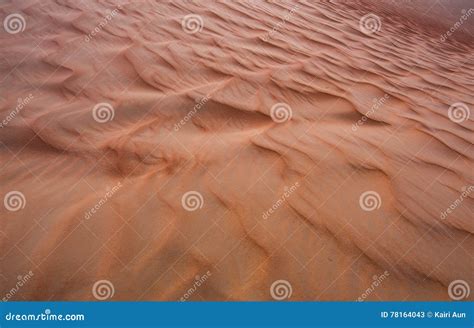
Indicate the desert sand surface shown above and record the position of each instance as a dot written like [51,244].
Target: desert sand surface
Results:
[236,150]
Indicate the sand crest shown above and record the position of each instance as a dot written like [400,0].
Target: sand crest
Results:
[237,150]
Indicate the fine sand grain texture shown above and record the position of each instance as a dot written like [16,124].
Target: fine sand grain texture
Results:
[236,150]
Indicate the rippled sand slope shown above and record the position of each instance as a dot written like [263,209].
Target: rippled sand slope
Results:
[369,180]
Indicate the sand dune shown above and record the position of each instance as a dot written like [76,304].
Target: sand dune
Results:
[215,156]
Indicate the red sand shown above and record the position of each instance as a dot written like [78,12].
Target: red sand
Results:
[192,112]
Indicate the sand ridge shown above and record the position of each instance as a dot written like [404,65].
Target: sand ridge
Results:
[245,59]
